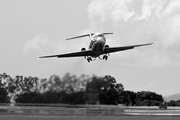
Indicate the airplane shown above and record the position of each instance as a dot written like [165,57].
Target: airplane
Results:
[97,47]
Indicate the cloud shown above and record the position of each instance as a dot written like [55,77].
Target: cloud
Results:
[36,43]
[172,8]
[116,9]
[41,44]
[141,21]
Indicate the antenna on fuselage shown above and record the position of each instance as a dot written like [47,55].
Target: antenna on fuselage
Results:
[90,34]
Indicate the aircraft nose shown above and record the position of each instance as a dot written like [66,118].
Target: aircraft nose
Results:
[100,40]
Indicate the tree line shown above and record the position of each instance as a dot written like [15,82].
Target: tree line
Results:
[71,89]
[173,103]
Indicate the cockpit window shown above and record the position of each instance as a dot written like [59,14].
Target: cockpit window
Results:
[97,35]
[94,36]
[100,35]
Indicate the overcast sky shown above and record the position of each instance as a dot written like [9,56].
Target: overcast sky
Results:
[29,29]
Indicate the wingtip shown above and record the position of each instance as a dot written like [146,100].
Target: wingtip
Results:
[149,44]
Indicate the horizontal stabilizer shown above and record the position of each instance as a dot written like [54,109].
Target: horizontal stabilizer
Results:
[85,36]
[107,33]
[78,37]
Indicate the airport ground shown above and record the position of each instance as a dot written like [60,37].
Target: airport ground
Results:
[87,112]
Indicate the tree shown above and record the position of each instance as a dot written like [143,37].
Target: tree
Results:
[27,89]
[125,98]
[132,97]
[93,88]
[55,83]
[111,92]
[178,102]
[71,83]
[147,98]
[4,98]
[95,84]
[172,103]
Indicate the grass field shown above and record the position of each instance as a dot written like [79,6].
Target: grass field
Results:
[86,112]
[27,117]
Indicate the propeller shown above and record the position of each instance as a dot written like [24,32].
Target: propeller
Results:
[85,35]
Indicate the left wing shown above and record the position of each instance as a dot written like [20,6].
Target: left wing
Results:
[122,48]
[74,54]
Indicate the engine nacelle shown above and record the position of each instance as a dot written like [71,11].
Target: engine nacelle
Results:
[83,49]
[106,46]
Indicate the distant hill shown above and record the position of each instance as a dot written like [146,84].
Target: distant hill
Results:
[172,97]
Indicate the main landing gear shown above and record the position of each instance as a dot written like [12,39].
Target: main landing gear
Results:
[105,57]
[89,59]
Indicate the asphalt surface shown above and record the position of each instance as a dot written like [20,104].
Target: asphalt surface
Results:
[86,113]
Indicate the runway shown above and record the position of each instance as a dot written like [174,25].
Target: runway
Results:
[86,112]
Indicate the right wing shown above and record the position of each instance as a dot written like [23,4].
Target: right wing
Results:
[73,54]
[122,48]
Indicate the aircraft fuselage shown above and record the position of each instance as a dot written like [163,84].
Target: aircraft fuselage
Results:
[97,45]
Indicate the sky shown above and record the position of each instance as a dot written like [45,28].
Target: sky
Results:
[33,28]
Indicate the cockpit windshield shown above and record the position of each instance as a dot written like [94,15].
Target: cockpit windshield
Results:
[97,35]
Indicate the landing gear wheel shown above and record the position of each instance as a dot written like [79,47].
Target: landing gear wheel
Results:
[89,59]
[105,57]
